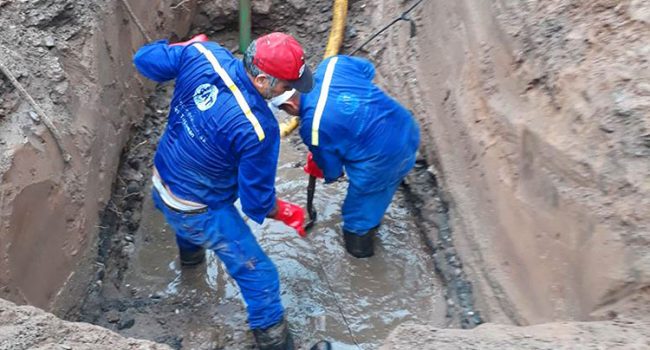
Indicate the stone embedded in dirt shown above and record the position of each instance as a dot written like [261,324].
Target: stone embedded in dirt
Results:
[132,225]
[157,295]
[48,41]
[606,128]
[101,271]
[298,4]
[126,323]
[132,187]
[323,27]
[128,249]
[350,32]
[132,174]
[112,316]
[174,341]
[262,6]
[135,164]
[35,117]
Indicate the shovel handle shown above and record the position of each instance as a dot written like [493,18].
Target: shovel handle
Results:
[311,188]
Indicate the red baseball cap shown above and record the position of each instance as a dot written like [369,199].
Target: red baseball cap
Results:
[281,56]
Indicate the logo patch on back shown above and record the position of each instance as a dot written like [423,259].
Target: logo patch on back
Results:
[347,103]
[205,96]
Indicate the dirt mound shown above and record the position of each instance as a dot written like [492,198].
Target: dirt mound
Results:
[628,335]
[26,327]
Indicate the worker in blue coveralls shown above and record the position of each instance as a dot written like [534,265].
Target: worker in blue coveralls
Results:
[221,143]
[350,124]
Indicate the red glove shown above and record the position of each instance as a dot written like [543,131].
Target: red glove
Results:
[195,39]
[312,168]
[292,215]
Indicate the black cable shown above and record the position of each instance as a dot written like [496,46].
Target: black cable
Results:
[402,17]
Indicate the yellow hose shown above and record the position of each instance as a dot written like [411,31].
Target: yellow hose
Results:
[339,14]
[287,127]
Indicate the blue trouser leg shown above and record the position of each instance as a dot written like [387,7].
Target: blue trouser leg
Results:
[183,244]
[186,245]
[254,272]
[363,211]
[225,232]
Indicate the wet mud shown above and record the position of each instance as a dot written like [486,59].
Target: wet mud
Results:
[144,293]
[425,198]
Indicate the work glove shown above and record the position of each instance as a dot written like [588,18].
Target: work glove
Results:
[312,168]
[197,38]
[292,215]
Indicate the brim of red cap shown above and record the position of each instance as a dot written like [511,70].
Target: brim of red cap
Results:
[305,83]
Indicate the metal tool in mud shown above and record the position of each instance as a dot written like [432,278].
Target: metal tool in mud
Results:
[313,215]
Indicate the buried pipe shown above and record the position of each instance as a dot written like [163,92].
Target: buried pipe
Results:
[244,24]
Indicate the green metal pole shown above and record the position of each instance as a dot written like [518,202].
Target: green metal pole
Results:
[244,24]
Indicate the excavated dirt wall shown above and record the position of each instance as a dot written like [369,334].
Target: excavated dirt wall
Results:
[536,115]
[74,58]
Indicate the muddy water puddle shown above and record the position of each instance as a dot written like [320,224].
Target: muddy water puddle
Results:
[327,293]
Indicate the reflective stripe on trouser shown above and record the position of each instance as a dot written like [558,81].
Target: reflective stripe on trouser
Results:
[225,232]
[363,211]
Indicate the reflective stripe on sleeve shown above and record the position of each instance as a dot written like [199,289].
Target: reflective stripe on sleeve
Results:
[322,99]
[241,101]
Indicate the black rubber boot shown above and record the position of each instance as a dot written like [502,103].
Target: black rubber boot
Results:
[322,345]
[194,258]
[360,246]
[276,337]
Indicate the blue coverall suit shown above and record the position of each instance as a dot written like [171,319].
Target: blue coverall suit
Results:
[361,129]
[213,152]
